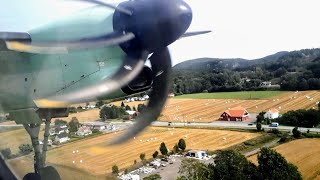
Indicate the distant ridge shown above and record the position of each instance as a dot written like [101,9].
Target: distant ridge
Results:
[201,63]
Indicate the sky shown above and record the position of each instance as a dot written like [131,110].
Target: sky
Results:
[247,29]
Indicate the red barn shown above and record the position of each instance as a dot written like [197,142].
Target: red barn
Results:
[235,114]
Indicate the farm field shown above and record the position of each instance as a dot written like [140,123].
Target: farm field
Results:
[85,116]
[98,158]
[233,95]
[304,153]
[208,110]
[14,138]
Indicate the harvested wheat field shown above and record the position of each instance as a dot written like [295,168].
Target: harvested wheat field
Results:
[208,110]
[98,158]
[304,153]
[13,139]
[84,116]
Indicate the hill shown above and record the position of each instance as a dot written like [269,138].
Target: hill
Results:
[296,70]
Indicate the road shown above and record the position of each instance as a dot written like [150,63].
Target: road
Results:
[217,124]
[232,125]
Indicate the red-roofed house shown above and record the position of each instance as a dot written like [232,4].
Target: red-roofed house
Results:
[272,114]
[235,114]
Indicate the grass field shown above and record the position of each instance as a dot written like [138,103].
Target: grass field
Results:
[98,158]
[13,139]
[304,153]
[233,95]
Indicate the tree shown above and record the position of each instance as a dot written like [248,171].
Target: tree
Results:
[296,133]
[274,166]
[115,170]
[194,169]
[74,124]
[233,165]
[25,149]
[153,177]
[163,149]
[141,107]
[260,117]
[259,126]
[175,149]
[128,108]
[99,104]
[155,154]
[134,108]
[58,122]
[6,153]
[182,144]
[113,112]
[122,104]
[135,162]
[143,156]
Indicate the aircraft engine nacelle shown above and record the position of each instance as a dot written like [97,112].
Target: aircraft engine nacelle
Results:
[141,83]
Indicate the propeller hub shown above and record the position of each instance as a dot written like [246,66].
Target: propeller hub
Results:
[155,23]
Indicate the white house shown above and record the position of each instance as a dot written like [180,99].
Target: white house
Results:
[62,137]
[272,114]
[84,131]
[96,125]
[196,154]
[265,84]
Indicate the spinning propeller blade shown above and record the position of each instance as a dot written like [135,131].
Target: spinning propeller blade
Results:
[64,46]
[130,68]
[122,10]
[161,67]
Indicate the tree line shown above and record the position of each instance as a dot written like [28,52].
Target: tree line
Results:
[297,70]
[231,165]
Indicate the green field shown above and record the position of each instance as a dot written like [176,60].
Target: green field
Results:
[233,95]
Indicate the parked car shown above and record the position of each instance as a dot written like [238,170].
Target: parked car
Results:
[274,124]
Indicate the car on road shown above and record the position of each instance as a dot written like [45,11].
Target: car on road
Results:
[274,124]
[250,124]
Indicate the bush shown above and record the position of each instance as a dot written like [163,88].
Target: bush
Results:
[175,149]
[163,149]
[142,156]
[6,153]
[115,170]
[275,131]
[155,154]
[296,133]
[25,149]
[182,144]
[153,177]
[259,126]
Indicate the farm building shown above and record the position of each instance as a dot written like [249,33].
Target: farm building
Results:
[235,114]
[272,114]
[196,154]
[96,125]
[84,131]
[62,137]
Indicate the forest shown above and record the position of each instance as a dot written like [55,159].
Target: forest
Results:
[295,70]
